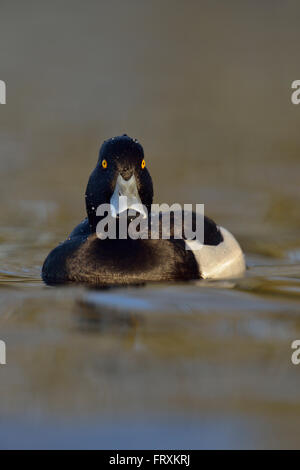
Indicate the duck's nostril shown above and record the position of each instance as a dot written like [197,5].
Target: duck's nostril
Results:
[126,173]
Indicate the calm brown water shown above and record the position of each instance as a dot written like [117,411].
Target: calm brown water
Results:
[205,87]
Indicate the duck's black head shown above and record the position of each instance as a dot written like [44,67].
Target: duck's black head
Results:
[121,171]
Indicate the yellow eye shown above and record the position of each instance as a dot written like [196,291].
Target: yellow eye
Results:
[143,164]
[104,163]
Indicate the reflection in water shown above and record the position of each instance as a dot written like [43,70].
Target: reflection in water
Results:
[156,354]
[106,320]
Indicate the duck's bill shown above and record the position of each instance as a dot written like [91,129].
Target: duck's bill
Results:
[126,198]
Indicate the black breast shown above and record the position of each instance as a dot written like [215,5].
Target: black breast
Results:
[83,258]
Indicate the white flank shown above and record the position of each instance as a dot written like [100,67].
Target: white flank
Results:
[223,261]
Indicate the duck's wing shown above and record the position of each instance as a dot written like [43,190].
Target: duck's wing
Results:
[212,233]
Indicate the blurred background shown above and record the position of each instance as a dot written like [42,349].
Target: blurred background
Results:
[205,86]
